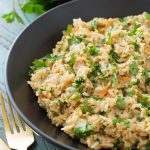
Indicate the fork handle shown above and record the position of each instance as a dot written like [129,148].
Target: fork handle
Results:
[3,145]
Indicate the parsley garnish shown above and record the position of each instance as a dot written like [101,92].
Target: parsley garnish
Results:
[85,107]
[114,79]
[69,28]
[72,60]
[40,63]
[53,57]
[136,45]
[133,83]
[94,24]
[73,40]
[83,129]
[121,120]
[109,39]
[94,67]
[56,100]
[133,68]
[75,96]
[147,15]
[41,89]
[113,56]
[117,144]
[37,64]
[79,84]
[117,120]
[147,76]
[143,99]
[131,93]
[121,103]
[93,50]
[122,19]
[136,26]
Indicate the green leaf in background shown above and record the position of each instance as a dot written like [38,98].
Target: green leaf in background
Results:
[10,17]
[18,18]
[31,7]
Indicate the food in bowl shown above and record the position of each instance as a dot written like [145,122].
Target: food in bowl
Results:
[96,82]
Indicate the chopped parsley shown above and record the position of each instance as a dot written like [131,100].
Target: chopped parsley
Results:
[93,50]
[133,68]
[58,101]
[94,67]
[133,83]
[82,130]
[94,24]
[121,103]
[143,99]
[69,28]
[136,45]
[75,96]
[73,40]
[41,89]
[79,84]
[53,57]
[133,32]
[121,120]
[131,93]
[146,75]
[126,26]
[85,107]
[113,57]
[114,79]
[122,19]
[109,39]
[72,60]
[37,64]
[117,144]
[147,15]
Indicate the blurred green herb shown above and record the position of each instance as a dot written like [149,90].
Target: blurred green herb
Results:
[117,144]
[147,15]
[121,103]
[121,120]
[37,64]
[30,7]
[93,50]
[82,129]
[12,16]
[94,24]
[133,68]
[85,107]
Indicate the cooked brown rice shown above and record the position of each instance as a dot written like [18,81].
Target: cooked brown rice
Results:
[96,83]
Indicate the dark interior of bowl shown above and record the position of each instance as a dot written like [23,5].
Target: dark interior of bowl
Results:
[38,40]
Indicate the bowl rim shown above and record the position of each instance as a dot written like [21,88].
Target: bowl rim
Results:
[41,133]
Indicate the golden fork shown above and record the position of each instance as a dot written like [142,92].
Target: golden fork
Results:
[17,139]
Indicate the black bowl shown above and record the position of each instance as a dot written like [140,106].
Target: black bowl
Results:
[37,40]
